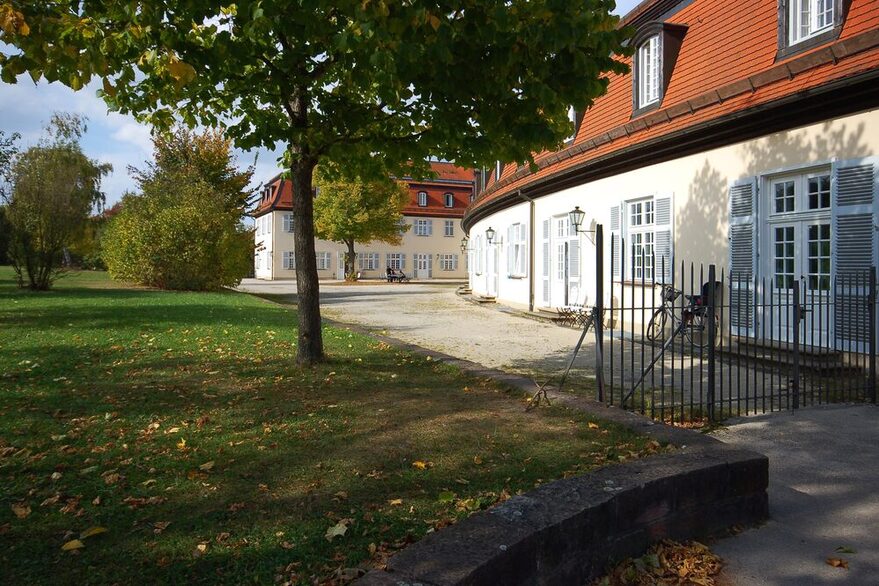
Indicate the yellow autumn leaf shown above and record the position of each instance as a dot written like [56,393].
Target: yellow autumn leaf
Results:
[181,445]
[337,530]
[593,425]
[182,72]
[207,466]
[477,460]
[92,532]
[21,510]
[419,465]
[72,544]
[395,502]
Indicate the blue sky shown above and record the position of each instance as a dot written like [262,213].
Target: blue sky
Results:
[112,138]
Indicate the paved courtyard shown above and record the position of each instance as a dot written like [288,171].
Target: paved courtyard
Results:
[824,462]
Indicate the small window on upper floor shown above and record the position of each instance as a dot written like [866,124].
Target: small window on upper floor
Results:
[450,200]
[648,62]
[804,24]
[422,199]
[657,46]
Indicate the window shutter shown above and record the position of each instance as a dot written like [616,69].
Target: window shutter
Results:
[511,250]
[545,274]
[430,227]
[854,189]
[574,270]
[742,253]
[454,262]
[402,261]
[663,238]
[429,266]
[615,236]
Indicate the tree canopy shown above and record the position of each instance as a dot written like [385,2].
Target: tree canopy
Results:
[344,80]
[53,189]
[183,231]
[358,210]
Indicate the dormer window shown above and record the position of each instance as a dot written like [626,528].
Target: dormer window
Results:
[649,73]
[807,18]
[656,50]
[422,199]
[450,200]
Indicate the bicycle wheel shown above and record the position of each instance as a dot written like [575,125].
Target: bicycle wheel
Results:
[656,327]
[697,330]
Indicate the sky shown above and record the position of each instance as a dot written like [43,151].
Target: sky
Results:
[112,138]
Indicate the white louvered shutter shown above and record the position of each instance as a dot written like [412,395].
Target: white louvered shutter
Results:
[574,270]
[742,253]
[615,236]
[430,227]
[511,249]
[429,266]
[546,261]
[455,262]
[855,246]
[663,238]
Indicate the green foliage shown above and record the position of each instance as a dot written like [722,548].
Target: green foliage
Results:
[53,189]
[8,151]
[183,231]
[358,210]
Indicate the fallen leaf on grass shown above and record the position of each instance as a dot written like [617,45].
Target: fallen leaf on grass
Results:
[837,563]
[160,526]
[286,545]
[207,466]
[72,544]
[337,530]
[592,425]
[200,549]
[135,502]
[845,549]
[477,460]
[447,496]
[21,510]
[91,532]
[395,502]
[421,465]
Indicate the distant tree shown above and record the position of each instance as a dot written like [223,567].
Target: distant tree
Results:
[355,210]
[8,150]
[184,230]
[341,80]
[53,188]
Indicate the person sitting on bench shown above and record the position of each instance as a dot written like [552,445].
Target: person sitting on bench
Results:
[390,275]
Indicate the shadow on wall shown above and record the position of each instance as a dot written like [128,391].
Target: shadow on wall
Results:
[701,224]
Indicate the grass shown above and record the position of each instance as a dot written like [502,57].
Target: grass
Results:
[179,423]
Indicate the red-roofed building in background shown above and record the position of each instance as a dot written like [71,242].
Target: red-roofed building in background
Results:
[746,135]
[430,248]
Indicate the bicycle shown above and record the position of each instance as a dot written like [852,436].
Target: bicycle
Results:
[693,320]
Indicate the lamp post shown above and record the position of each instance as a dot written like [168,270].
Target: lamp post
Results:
[464,245]
[489,235]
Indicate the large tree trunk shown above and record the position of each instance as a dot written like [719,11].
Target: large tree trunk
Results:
[310,348]
[350,256]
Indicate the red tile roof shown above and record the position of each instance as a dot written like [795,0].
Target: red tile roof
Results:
[458,181]
[727,66]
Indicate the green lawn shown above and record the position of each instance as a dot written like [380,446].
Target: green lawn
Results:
[179,423]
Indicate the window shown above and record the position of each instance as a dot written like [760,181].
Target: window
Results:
[785,201]
[641,238]
[644,226]
[367,261]
[800,193]
[288,222]
[819,192]
[517,250]
[808,18]
[449,228]
[784,257]
[323,260]
[819,257]
[422,199]
[423,227]
[397,261]
[448,262]
[648,61]
[450,200]
[477,250]
[289,260]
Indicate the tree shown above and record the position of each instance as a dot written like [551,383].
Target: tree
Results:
[184,230]
[53,189]
[350,210]
[341,80]
[8,151]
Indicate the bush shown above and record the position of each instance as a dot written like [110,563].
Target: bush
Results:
[184,230]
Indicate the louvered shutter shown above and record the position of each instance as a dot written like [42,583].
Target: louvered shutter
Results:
[455,262]
[615,240]
[511,250]
[854,248]
[402,262]
[429,266]
[663,239]
[546,261]
[742,253]
[574,270]
[430,227]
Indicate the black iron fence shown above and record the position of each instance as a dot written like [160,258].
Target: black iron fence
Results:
[693,342]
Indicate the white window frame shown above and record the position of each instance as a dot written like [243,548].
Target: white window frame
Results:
[448,262]
[449,228]
[422,227]
[288,260]
[449,199]
[288,222]
[323,260]
[641,232]
[518,254]
[367,261]
[809,18]
[395,260]
[479,265]
[422,199]
[649,74]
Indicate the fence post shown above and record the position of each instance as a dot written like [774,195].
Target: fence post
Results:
[797,313]
[712,332]
[598,312]
[871,312]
